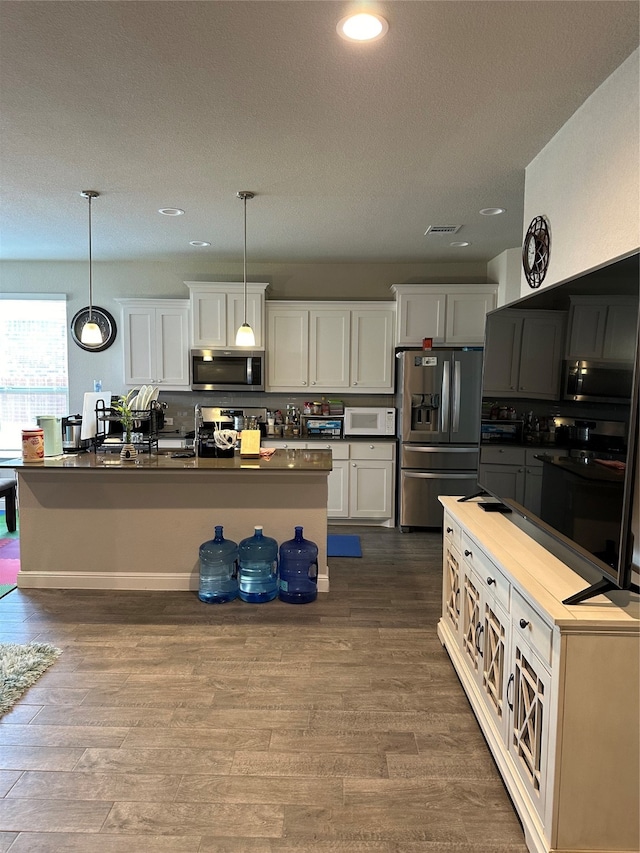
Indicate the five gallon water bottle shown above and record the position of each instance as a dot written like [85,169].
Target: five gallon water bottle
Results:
[298,570]
[258,568]
[218,569]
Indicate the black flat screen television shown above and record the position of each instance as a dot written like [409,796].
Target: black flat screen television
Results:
[559,434]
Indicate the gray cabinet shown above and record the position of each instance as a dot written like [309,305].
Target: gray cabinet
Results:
[602,330]
[525,358]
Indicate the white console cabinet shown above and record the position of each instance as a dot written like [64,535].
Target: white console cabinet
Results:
[555,688]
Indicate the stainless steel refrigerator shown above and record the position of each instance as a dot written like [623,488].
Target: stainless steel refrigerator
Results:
[439,394]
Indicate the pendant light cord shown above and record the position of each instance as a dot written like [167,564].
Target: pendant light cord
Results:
[90,267]
[244,202]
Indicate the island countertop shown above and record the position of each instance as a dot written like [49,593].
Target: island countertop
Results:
[293,459]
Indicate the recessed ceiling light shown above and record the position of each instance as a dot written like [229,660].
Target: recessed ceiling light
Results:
[199,243]
[460,243]
[492,211]
[364,26]
[171,211]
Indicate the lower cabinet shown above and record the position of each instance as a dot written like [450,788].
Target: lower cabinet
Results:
[555,689]
[362,482]
[515,472]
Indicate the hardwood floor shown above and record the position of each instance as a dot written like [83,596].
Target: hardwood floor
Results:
[168,725]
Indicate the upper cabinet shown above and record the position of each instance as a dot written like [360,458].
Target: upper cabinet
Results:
[326,346]
[156,342]
[217,311]
[526,357]
[602,329]
[449,314]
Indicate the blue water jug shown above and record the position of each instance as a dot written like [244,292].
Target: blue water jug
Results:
[258,568]
[298,570]
[218,569]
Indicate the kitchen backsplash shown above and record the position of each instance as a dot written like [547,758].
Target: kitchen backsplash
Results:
[181,405]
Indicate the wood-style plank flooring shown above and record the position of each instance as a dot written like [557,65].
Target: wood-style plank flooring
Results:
[172,726]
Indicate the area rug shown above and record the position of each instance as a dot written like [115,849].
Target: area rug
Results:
[343,546]
[20,667]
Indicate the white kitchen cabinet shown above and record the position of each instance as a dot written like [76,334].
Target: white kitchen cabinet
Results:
[329,346]
[372,482]
[217,311]
[362,482]
[156,342]
[555,688]
[525,359]
[602,330]
[449,314]
[372,335]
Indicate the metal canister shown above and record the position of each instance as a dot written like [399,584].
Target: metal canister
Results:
[32,445]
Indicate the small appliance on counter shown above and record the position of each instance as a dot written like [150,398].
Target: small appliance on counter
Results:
[72,440]
[51,426]
[217,429]
[369,421]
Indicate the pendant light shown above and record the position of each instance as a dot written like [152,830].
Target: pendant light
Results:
[90,333]
[245,336]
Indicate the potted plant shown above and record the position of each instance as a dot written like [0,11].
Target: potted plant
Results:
[125,415]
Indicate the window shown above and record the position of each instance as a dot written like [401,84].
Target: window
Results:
[34,377]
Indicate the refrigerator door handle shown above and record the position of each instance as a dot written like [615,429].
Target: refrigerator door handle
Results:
[442,475]
[456,396]
[444,409]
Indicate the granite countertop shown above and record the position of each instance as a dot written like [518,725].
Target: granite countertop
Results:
[587,469]
[293,460]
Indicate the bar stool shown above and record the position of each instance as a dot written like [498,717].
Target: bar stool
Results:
[8,491]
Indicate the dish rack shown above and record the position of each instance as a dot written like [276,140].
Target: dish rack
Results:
[146,425]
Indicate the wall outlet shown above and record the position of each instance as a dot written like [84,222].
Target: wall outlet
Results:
[168,421]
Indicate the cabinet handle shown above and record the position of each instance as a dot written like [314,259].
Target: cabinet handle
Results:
[467,553]
[449,529]
[304,381]
[523,623]
[512,678]
[371,446]
[490,581]
[479,633]
[353,465]
[314,382]
[457,599]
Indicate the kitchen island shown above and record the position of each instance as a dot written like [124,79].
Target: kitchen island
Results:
[91,521]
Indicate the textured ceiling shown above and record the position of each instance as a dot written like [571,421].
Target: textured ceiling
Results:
[353,150]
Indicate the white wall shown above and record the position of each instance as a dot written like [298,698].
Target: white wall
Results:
[504,270]
[586,180]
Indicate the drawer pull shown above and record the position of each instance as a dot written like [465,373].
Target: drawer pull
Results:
[467,553]
[509,686]
[523,623]
[457,599]
[449,529]
[490,581]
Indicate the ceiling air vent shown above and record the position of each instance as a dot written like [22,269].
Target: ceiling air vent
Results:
[442,229]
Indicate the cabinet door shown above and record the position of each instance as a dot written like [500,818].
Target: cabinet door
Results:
[235,316]
[172,346]
[493,641]
[505,480]
[529,702]
[287,356]
[139,330]
[338,485]
[587,325]
[471,622]
[209,319]
[371,489]
[452,571]
[329,337]
[533,489]
[466,315]
[620,332]
[502,356]
[420,315]
[541,356]
[372,349]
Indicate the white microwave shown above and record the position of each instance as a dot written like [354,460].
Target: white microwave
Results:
[369,420]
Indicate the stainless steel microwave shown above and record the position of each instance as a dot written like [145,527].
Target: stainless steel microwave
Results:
[598,381]
[227,370]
